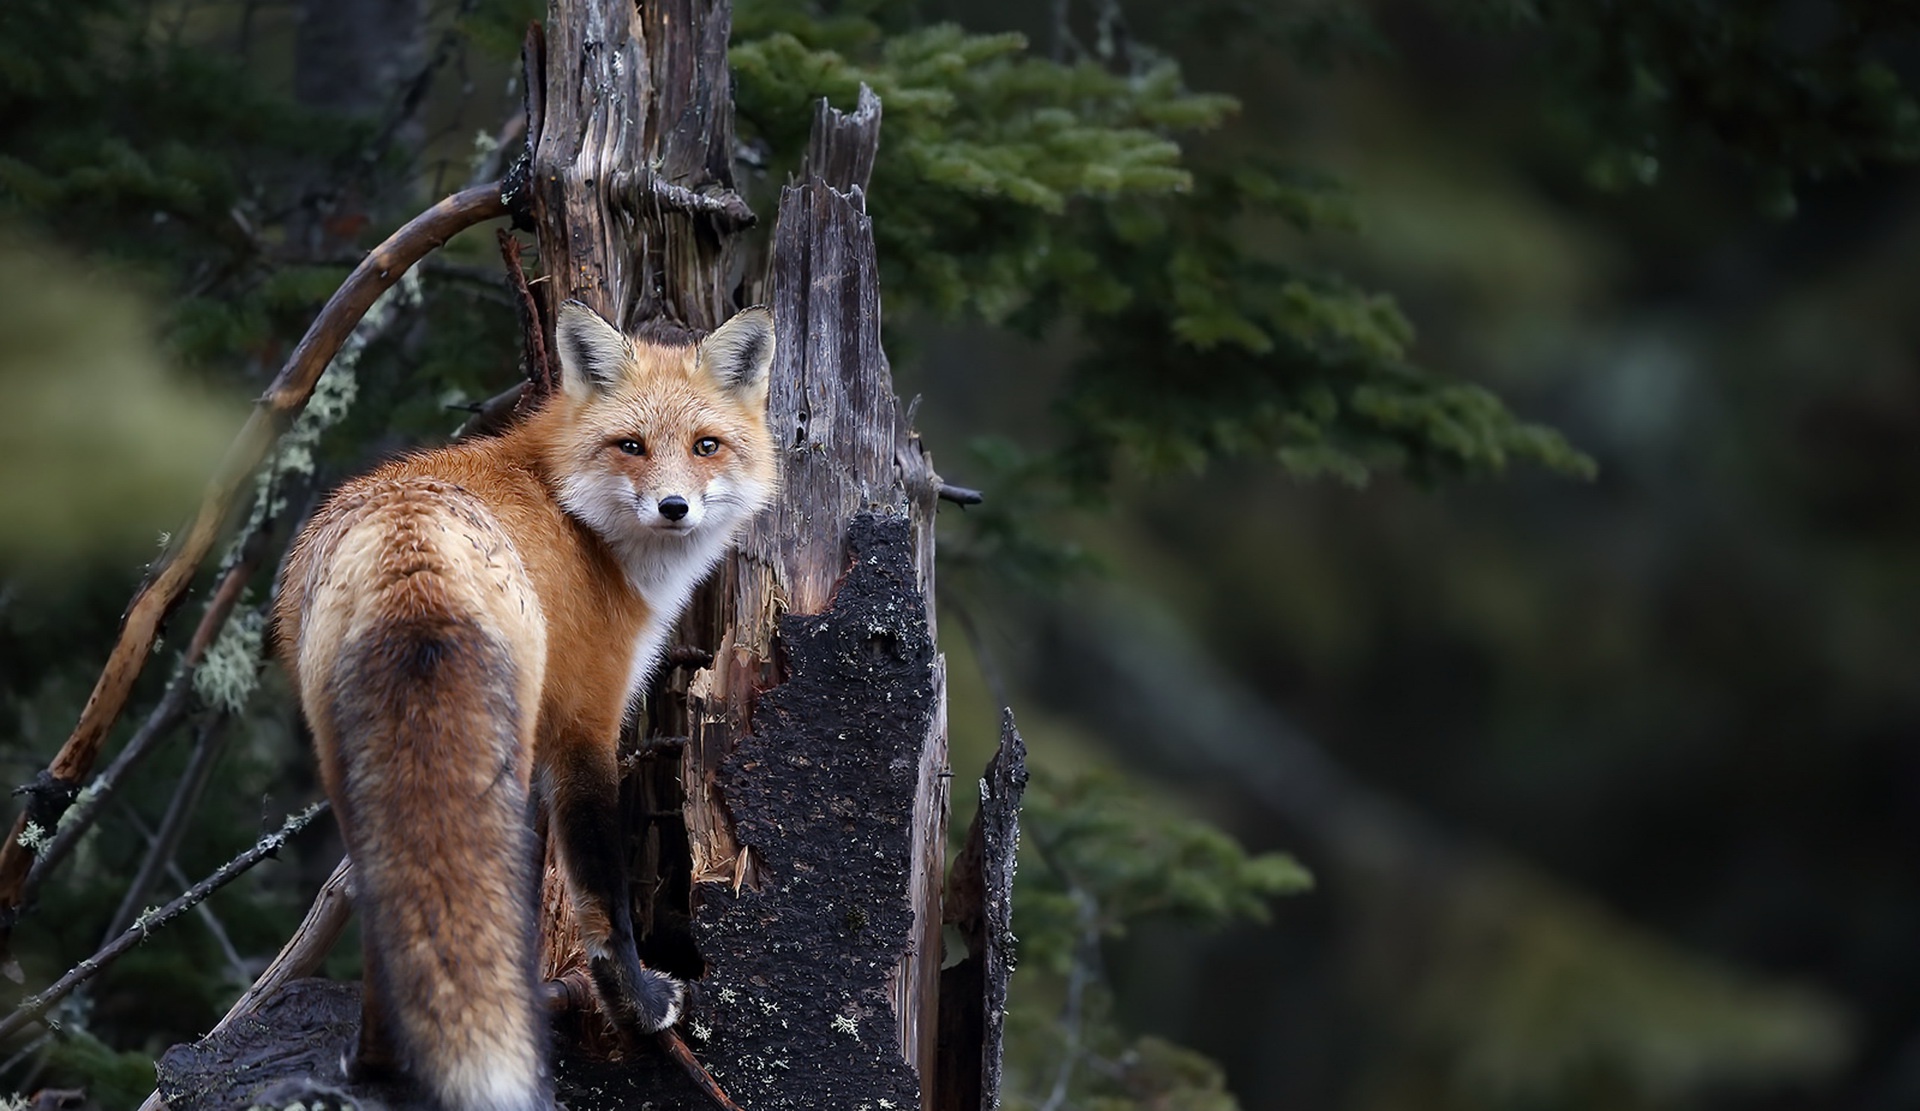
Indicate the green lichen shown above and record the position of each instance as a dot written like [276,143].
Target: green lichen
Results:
[34,837]
[228,675]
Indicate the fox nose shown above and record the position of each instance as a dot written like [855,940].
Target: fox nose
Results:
[673,508]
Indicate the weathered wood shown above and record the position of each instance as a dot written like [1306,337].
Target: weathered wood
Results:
[633,198]
[801,961]
[632,181]
[842,145]
[631,191]
[296,1037]
[299,958]
[979,904]
[851,457]
[307,949]
[787,803]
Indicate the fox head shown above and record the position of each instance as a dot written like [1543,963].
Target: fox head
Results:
[655,446]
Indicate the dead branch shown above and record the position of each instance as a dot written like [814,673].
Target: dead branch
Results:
[979,904]
[728,210]
[167,584]
[158,726]
[303,953]
[573,992]
[494,415]
[677,1049]
[208,745]
[215,928]
[960,495]
[203,912]
[270,845]
[541,379]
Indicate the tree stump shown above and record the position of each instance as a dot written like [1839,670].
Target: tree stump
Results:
[786,793]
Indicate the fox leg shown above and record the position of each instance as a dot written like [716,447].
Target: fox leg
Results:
[585,797]
[376,1059]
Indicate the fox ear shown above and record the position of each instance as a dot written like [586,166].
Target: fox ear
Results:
[593,353]
[738,353]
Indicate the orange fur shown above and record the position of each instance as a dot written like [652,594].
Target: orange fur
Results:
[469,625]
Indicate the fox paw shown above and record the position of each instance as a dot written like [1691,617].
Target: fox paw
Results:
[663,1000]
[640,999]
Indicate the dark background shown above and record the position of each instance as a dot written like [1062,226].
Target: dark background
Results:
[1608,784]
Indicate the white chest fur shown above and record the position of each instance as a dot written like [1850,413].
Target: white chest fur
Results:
[665,572]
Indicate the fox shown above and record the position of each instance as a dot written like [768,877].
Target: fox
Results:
[466,630]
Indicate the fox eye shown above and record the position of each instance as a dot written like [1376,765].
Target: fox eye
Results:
[631,447]
[706,445]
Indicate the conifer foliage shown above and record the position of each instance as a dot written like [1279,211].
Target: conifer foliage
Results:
[1047,195]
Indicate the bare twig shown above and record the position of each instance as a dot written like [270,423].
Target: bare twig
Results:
[960,495]
[214,926]
[326,920]
[303,953]
[203,911]
[727,208]
[676,1048]
[267,846]
[692,657]
[573,992]
[1080,975]
[26,1051]
[408,99]
[186,796]
[494,415]
[168,582]
[541,379]
[159,725]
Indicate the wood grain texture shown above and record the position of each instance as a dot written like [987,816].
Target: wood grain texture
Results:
[306,950]
[853,468]
[631,196]
[632,180]
[979,904]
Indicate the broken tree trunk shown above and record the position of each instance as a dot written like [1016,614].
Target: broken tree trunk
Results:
[790,859]
[786,801]
[815,770]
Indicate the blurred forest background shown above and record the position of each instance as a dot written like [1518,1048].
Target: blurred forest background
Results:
[1594,726]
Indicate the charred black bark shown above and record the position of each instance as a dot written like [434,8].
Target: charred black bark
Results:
[979,904]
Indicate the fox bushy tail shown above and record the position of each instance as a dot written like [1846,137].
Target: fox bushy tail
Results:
[423,711]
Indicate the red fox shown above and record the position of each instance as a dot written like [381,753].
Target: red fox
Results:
[466,628]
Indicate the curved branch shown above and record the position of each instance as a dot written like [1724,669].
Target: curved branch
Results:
[167,584]
[326,920]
